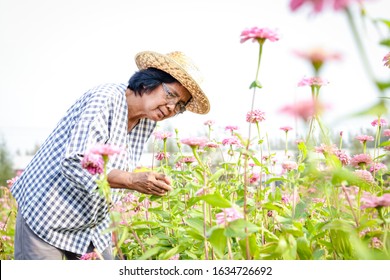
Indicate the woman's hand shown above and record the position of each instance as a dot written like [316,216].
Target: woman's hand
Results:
[150,182]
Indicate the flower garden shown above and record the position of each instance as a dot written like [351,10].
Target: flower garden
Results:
[235,197]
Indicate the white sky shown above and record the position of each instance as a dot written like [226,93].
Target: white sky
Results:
[51,52]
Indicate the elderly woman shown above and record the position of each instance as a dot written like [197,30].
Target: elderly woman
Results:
[60,214]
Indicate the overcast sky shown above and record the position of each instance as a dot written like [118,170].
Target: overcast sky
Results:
[51,52]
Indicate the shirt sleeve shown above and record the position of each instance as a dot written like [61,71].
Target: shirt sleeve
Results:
[92,126]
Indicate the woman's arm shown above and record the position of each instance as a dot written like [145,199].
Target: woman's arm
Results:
[144,182]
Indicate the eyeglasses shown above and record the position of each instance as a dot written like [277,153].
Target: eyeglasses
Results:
[180,106]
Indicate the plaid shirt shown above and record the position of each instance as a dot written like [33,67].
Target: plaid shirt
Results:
[57,197]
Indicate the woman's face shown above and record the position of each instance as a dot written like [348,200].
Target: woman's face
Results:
[165,101]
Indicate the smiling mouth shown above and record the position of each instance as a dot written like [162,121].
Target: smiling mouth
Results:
[163,115]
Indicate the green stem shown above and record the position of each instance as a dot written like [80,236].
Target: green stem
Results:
[165,152]
[206,249]
[385,230]
[285,149]
[194,151]
[261,42]
[350,205]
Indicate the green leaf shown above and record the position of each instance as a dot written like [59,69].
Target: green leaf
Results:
[143,224]
[339,224]
[340,175]
[219,241]
[275,179]
[216,200]
[194,234]
[150,253]
[376,110]
[175,250]
[384,144]
[240,228]
[255,84]
[271,206]
[384,21]
[256,161]
[303,249]
[303,149]
[196,224]
[216,175]
[287,247]
[385,42]
[252,244]
[199,175]
[152,241]
[341,243]
[383,85]
[269,235]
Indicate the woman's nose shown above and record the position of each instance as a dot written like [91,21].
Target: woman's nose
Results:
[171,107]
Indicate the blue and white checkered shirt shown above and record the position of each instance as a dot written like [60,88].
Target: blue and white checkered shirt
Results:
[56,196]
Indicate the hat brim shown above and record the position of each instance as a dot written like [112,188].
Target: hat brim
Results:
[199,102]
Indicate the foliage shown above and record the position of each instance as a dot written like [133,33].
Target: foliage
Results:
[6,170]
[235,198]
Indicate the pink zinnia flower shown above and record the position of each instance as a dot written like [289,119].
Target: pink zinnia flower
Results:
[374,201]
[200,192]
[230,141]
[231,128]
[365,176]
[358,160]
[317,56]
[386,60]
[162,156]
[380,122]
[376,243]
[254,177]
[211,145]
[314,81]
[129,198]
[288,198]
[364,138]
[175,257]
[195,141]
[289,165]
[11,181]
[89,256]
[318,5]
[318,200]
[94,163]
[286,128]
[255,116]
[5,238]
[228,215]
[285,199]
[326,149]
[188,159]
[386,132]
[162,135]
[209,122]
[304,109]
[105,149]
[378,166]
[343,157]
[258,34]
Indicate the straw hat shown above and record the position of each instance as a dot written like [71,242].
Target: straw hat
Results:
[181,67]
